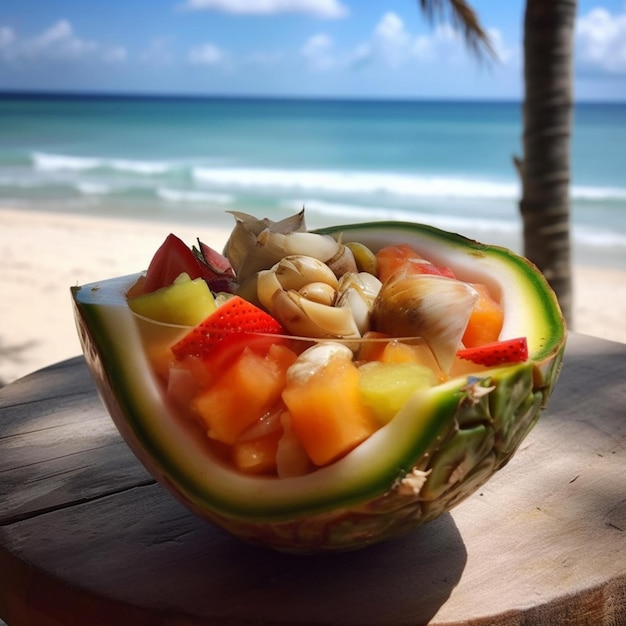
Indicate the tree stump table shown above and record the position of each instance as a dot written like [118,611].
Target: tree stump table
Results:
[88,538]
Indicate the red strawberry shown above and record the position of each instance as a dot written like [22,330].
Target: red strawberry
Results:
[497,353]
[174,257]
[236,315]
[171,259]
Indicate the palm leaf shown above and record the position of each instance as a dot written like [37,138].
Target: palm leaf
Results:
[464,19]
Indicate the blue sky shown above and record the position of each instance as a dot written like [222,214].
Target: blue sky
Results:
[322,48]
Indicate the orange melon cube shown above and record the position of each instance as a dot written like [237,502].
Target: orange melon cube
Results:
[394,258]
[257,456]
[326,411]
[245,392]
[486,320]
[418,353]
[373,350]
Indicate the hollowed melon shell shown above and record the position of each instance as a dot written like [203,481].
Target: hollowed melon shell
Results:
[444,443]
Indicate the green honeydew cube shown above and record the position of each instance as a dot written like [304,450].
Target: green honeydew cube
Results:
[385,387]
[186,302]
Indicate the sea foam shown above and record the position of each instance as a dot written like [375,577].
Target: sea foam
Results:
[181,195]
[58,162]
[355,182]
[446,221]
[343,182]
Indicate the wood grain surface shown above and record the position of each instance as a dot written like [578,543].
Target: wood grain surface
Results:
[87,537]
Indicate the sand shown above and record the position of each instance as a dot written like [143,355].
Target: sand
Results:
[44,254]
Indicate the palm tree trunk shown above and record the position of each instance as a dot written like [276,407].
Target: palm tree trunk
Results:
[545,169]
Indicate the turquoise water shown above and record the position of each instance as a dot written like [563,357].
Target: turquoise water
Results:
[444,163]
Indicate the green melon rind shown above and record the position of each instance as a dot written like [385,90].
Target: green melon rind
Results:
[174,453]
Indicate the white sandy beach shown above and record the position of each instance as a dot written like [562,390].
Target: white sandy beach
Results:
[44,254]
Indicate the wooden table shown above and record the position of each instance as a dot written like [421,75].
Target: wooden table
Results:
[87,537]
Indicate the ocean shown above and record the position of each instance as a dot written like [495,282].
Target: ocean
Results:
[191,160]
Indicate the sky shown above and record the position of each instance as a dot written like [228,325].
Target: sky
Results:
[289,48]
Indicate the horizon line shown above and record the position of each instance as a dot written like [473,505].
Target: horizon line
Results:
[121,95]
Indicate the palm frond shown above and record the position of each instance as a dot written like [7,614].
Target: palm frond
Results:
[464,19]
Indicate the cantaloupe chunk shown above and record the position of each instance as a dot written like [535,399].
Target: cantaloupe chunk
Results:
[393,258]
[391,350]
[326,411]
[373,345]
[244,393]
[417,352]
[257,456]
[486,320]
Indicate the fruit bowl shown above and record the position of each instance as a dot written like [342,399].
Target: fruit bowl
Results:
[398,431]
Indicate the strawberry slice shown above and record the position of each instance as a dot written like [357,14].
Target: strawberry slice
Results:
[497,352]
[236,315]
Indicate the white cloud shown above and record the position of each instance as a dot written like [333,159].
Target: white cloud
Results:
[503,52]
[391,29]
[443,44]
[391,40]
[318,51]
[206,54]
[327,9]
[601,41]
[58,42]
[7,39]
[59,33]
[392,45]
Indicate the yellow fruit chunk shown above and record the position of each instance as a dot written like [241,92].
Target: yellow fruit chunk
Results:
[186,302]
[365,259]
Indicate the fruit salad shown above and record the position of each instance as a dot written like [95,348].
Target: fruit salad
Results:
[295,347]
[322,391]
